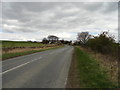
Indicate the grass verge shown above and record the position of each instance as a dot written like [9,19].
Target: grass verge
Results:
[11,55]
[91,75]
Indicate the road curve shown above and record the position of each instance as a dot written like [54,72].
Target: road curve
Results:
[47,69]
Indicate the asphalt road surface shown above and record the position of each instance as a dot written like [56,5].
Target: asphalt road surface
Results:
[47,69]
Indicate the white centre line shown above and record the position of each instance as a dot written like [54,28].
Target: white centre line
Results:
[19,66]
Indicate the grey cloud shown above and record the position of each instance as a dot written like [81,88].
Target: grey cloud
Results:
[110,7]
[27,17]
[93,6]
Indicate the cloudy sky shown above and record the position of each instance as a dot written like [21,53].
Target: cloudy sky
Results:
[36,20]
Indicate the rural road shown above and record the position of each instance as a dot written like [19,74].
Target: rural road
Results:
[47,69]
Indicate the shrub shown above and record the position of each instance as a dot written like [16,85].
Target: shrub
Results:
[104,43]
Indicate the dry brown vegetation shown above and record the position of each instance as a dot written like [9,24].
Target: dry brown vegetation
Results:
[15,50]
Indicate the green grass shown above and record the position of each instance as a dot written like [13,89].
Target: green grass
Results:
[91,75]
[11,44]
[11,55]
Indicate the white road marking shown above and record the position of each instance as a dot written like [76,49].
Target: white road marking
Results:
[19,66]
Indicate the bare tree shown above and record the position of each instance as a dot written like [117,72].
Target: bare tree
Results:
[45,41]
[53,39]
[83,37]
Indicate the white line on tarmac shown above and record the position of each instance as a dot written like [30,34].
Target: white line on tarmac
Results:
[19,66]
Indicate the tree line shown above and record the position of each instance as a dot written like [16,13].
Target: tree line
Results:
[51,39]
[103,43]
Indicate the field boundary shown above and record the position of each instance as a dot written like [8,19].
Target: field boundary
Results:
[6,56]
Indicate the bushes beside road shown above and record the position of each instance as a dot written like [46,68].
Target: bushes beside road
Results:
[104,43]
[95,54]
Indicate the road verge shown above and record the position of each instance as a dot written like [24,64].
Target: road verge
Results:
[85,72]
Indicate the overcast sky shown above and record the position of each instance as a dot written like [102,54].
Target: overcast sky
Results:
[36,20]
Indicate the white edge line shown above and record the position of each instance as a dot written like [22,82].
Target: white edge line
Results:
[19,66]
